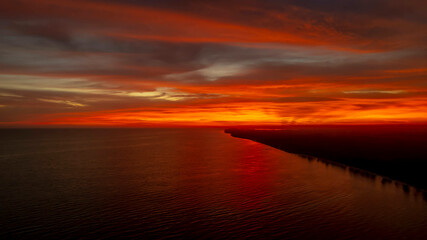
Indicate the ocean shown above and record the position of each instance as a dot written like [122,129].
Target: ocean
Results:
[192,184]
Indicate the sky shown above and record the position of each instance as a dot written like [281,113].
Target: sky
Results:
[212,63]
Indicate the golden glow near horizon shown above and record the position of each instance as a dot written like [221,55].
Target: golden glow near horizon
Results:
[121,63]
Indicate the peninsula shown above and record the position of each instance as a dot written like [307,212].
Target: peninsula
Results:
[395,151]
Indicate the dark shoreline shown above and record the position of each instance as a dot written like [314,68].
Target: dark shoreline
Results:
[398,153]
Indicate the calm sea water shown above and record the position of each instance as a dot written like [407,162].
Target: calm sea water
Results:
[188,183]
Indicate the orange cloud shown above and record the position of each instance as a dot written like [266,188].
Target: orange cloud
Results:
[94,63]
[145,23]
[251,113]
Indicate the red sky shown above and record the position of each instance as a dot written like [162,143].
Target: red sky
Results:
[152,63]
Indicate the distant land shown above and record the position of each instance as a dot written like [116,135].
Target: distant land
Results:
[395,151]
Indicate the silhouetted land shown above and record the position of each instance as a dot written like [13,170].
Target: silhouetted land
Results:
[395,151]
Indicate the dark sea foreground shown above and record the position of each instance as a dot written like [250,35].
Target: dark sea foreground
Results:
[188,183]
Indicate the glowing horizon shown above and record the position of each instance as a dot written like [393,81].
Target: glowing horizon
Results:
[193,63]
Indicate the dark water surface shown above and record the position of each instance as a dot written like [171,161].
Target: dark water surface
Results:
[188,183]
